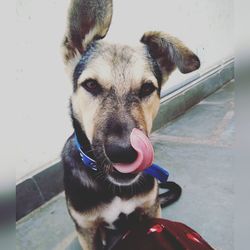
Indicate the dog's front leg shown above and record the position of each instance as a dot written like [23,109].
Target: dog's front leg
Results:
[153,211]
[87,238]
[152,207]
[93,237]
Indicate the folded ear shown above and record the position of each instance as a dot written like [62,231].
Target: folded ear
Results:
[88,20]
[170,53]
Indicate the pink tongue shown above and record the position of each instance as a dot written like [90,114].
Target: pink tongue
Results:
[145,153]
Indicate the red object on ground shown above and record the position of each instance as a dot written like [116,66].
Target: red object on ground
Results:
[161,234]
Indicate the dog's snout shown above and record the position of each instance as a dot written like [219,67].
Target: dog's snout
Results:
[123,153]
[117,141]
[116,128]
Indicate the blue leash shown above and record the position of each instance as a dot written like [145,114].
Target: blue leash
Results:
[154,170]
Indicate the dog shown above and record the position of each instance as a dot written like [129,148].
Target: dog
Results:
[116,88]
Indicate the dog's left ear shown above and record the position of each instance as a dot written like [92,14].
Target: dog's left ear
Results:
[170,52]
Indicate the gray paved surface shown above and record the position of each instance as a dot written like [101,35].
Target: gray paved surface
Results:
[197,150]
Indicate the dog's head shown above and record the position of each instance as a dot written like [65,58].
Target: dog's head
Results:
[116,88]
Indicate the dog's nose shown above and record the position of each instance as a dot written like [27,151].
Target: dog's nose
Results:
[120,153]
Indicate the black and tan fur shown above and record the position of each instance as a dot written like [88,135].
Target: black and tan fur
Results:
[115,88]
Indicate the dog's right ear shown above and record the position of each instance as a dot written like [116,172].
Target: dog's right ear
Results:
[88,20]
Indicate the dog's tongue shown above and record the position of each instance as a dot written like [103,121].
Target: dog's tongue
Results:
[145,153]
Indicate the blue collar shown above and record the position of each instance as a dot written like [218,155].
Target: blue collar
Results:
[156,171]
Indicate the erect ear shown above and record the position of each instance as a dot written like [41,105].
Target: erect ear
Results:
[170,53]
[88,20]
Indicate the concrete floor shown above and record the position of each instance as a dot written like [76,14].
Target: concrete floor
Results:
[197,149]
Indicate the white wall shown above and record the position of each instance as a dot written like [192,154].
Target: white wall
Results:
[44,86]
[205,26]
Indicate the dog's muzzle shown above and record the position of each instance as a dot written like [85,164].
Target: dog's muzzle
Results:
[120,153]
[133,157]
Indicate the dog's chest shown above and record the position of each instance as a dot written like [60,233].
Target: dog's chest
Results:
[118,206]
[110,212]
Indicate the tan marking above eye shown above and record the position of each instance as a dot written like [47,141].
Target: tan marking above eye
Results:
[98,70]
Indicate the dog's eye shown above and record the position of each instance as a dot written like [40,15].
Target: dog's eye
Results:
[92,86]
[147,89]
